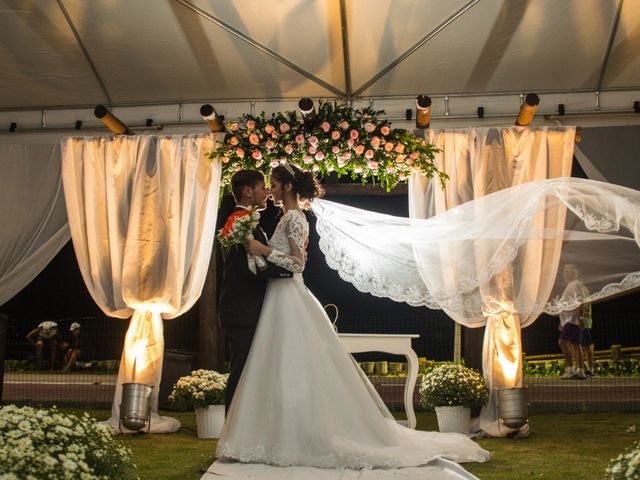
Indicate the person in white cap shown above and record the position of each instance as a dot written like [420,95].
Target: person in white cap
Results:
[45,335]
[74,347]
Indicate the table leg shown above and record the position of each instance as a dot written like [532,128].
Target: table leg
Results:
[412,377]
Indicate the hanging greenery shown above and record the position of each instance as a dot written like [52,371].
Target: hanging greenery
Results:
[350,142]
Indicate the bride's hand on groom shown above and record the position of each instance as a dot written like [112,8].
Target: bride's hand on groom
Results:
[254,247]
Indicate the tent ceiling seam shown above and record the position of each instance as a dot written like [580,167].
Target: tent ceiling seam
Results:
[612,37]
[85,51]
[345,49]
[416,46]
[261,47]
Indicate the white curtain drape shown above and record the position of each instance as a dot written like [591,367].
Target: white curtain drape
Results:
[480,161]
[32,213]
[142,212]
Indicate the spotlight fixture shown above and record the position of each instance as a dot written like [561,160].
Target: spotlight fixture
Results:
[111,121]
[423,111]
[210,116]
[480,112]
[149,122]
[636,106]
[528,109]
[13,126]
[308,110]
[78,124]
[561,110]
[578,137]
[408,114]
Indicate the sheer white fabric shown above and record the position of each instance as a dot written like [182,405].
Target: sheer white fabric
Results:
[32,213]
[301,400]
[480,161]
[142,224]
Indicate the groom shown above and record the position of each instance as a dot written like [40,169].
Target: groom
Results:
[242,291]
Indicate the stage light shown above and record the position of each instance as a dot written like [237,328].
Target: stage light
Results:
[308,110]
[636,106]
[149,122]
[111,121]
[512,408]
[480,112]
[528,109]
[408,114]
[134,409]
[423,111]
[210,116]
[578,137]
[561,110]
[13,126]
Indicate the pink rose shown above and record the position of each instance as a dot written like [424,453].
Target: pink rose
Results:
[251,124]
[313,140]
[253,139]
[270,144]
[335,149]
[233,141]
[357,169]
[225,159]
[285,127]
[388,146]
[400,148]
[319,156]
[274,134]
[354,134]
[312,150]
[409,161]
[325,126]
[347,155]
[368,154]
[233,126]
[344,125]
[288,149]
[299,138]
[307,159]
[385,130]
[359,149]
[350,142]
[375,141]
[240,153]
[369,127]
[269,129]
[256,154]
[274,163]
[335,135]
[315,167]
[373,165]
[413,156]
[389,169]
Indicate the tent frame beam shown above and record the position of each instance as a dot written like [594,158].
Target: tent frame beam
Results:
[612,37]
[416,46]
[261,47]
[345,49]
[85,51]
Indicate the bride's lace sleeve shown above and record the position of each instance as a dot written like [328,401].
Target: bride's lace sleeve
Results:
[296,232]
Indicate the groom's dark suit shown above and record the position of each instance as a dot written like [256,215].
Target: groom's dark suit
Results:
[241,296]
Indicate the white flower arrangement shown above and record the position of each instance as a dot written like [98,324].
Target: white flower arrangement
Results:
[201,388]
[45,443]
[452,385]
[625,466]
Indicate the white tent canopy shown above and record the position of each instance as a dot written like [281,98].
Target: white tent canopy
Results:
[74,54]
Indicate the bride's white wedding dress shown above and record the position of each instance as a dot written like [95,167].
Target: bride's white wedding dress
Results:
[302,401]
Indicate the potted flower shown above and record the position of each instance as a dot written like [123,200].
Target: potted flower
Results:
[453,390]
[204,391]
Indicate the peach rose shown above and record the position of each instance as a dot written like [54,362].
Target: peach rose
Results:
[368,154]
[319,156]
[388,146]
[256,154]
[253,139]
[359,149]
[375,141]
[385,130]
[251,124]
[288,149]
[325,126]
[274,163]
[240,153]
[400,148]
[285,127]
[335,135]
[299,138]
[335,149]
[344,125]
[354,134]
[312,150]
[269,129]
[313,140]
[233,141]
[373,165]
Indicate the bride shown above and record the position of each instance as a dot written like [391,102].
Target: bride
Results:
[301,400]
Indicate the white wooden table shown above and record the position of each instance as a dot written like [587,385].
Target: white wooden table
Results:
[396,344]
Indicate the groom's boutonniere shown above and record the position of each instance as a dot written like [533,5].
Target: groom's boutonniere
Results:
[238,229]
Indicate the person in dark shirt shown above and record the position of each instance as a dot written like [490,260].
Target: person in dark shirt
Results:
[75,347]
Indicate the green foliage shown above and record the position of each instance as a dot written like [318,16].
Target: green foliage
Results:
[347,141]
[629,367]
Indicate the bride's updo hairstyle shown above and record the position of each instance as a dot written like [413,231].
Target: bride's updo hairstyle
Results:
[305,184]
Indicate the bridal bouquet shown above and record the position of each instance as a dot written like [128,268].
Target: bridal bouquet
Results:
[453,385]
[238,229]
[45,443]
[200,389]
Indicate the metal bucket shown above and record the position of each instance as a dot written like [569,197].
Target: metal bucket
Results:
[134,409]
[512,406]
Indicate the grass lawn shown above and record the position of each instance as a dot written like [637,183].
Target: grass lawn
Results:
[561,447]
